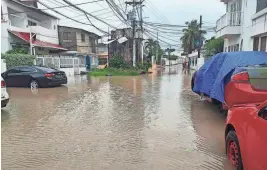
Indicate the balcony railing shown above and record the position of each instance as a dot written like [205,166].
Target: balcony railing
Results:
[229,19]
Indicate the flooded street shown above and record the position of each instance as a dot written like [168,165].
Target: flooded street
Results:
[150,122]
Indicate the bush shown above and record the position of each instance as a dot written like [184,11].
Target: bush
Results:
[13,60]
[118,62]
[114,72]
[145,66]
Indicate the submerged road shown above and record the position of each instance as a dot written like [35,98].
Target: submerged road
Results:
[150,122]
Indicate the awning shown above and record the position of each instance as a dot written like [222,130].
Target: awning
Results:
[122,40]
[26,37]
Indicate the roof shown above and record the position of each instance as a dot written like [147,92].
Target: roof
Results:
[98,36]
[34,9]
[26,37]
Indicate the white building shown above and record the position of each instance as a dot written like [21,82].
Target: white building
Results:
[244,25]
[21,20]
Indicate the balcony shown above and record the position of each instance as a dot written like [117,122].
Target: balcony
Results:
[45,34]
[229,24]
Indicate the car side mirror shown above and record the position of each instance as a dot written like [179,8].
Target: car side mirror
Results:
[263,113]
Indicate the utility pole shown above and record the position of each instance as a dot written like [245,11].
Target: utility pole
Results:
[170,60]
[108,49]
[142,31]
[134,45]
[133,19]
[200,31]
[32,52]
[157,50]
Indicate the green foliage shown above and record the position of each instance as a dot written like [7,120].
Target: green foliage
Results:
[114,72]
[17,51]
[213,46]
[144,67]
[13,60]
[118,62]
[153,48]
[190,34]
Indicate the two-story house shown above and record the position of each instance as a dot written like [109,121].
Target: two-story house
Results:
[23,25]
[80,42]
[244,25]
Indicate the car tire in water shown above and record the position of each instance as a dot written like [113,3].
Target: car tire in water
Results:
[34,84]
[233,150]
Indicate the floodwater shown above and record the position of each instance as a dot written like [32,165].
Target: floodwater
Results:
[150,122]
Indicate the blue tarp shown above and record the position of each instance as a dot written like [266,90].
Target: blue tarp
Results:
[210,78]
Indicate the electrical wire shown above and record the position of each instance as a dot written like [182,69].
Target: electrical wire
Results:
[49,8]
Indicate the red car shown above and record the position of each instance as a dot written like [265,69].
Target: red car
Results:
[246,136]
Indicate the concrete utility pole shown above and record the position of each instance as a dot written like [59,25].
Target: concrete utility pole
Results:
[142,30]
[133,19]
[157,50]
[200,43]
[32,52]
[108,49]
[134,45]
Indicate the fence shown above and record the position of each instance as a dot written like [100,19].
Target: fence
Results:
[60,62]
[70,65]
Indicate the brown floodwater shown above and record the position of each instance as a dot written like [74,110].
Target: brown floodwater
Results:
[150,122]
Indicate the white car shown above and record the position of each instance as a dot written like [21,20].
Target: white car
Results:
[4,94]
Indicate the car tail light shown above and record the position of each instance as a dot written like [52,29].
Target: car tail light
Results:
[49,75]
[3,84]
[242,76]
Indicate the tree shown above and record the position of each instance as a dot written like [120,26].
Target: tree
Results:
[152,46]
[190,34]
[213,46]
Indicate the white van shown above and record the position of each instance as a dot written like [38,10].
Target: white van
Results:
[4,94]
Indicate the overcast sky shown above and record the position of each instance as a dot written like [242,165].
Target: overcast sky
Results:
[160,11]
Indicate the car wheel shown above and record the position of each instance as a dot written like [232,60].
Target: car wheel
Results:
[233,150]
[34,84]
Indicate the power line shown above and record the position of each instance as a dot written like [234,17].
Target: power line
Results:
[49,8]
[64,15]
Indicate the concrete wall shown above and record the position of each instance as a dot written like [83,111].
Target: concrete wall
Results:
[70,71]
[253,24]
[71,43]
[196,62]
[16,19]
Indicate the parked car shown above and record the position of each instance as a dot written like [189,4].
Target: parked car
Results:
[246,137]
[4,94]
[34,77]
[226,83]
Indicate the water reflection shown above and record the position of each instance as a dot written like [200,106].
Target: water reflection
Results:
[146,122]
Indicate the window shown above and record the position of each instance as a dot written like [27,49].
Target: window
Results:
[66,36]
[26,69]
[83,37]
[263,43]
[256,44]
[13,70]
[261,4]
[31,23]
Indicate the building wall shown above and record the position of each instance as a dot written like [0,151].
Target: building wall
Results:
[82,47]
[16,18]
[71,42]
[253,24]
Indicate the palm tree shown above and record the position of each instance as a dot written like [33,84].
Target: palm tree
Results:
[151,47]
[191,33]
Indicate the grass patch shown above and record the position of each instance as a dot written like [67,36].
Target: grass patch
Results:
[114,72]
